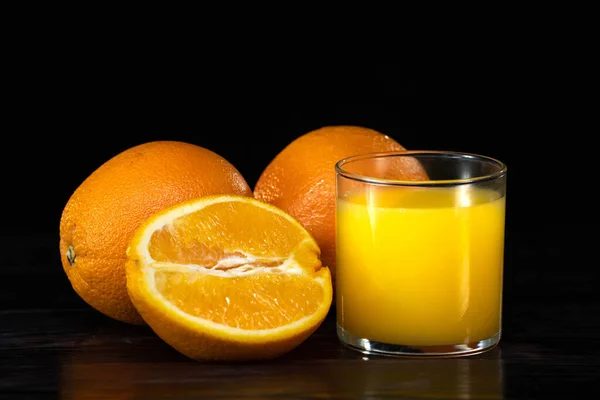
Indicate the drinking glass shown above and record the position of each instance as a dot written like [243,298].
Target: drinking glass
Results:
[419,252]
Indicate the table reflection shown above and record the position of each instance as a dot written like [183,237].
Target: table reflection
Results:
[455,378]
[89,373]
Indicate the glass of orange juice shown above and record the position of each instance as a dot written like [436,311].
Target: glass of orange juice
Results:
[419,252]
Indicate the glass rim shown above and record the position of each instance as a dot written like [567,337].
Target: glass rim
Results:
[502,168]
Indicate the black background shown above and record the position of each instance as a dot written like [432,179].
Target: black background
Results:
[76,92]
[65,116]
[68,117]
[67,123]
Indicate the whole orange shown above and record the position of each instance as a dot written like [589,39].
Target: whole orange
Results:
[102,214]
[301,178]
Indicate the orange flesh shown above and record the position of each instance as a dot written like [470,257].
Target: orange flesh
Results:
[258,301]
[220,230]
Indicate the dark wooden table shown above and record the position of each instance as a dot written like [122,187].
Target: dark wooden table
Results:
[52,345]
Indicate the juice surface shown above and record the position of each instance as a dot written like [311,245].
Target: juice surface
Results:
[420,266]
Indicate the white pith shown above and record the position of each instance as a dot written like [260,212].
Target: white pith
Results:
[236,266]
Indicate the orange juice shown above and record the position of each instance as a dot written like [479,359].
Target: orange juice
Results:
[420,266]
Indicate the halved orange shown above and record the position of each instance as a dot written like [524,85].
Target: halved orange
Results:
[228,278]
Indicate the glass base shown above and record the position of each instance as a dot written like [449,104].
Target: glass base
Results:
[367,346]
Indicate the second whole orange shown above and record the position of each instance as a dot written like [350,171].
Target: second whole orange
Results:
[301,178]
